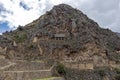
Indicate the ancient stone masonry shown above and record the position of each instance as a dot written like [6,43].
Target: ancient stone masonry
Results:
[3,52]
[80,66]
[35,39]
[40,50]
[49,36]
[23,70]
[59,37]
[73,25]
[14,44]
[87,64]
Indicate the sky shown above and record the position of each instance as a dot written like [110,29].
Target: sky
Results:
[21,12]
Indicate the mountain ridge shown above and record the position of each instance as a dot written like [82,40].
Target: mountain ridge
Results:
[67,25]
[65,40]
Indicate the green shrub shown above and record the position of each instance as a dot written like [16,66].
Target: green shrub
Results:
[20,28]
[101,72]
[117,70]
[72,43]
[60,68]
[31,47]
[20,37]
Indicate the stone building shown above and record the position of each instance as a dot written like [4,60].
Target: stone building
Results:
[59,37]
[41,36]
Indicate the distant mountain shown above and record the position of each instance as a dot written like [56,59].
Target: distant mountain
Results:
[118,34]
[63,32]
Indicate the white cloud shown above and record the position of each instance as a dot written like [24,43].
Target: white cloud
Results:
[19,15]
[105,12]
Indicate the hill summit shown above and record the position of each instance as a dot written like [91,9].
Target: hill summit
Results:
[62,33]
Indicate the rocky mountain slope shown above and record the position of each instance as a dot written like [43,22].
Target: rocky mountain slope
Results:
[67,35]
[65,30]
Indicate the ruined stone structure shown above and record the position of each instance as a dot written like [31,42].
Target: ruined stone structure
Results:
[23,70]
[79,66]
[59,37]
[14,44]
[35,39]
[3,52]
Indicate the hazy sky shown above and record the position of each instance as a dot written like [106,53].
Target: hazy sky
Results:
[21,12]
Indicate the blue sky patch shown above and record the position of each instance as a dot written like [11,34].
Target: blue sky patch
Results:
[23,5]
[4,27]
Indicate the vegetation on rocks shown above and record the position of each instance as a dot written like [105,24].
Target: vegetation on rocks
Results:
[20,37]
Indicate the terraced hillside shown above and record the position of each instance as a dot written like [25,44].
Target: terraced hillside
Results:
[24,70]
[64,35]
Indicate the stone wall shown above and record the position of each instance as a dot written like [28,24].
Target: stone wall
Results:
[80,66]
[115,66]
[25,75]
[2,57]
[3,50]
[24,70]
[24,65]
[89,66]
[35,40]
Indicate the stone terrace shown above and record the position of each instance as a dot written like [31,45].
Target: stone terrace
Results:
[24,65]
[24,70]
[3,63]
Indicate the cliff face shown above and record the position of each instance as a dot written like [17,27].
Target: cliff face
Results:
[61,33]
